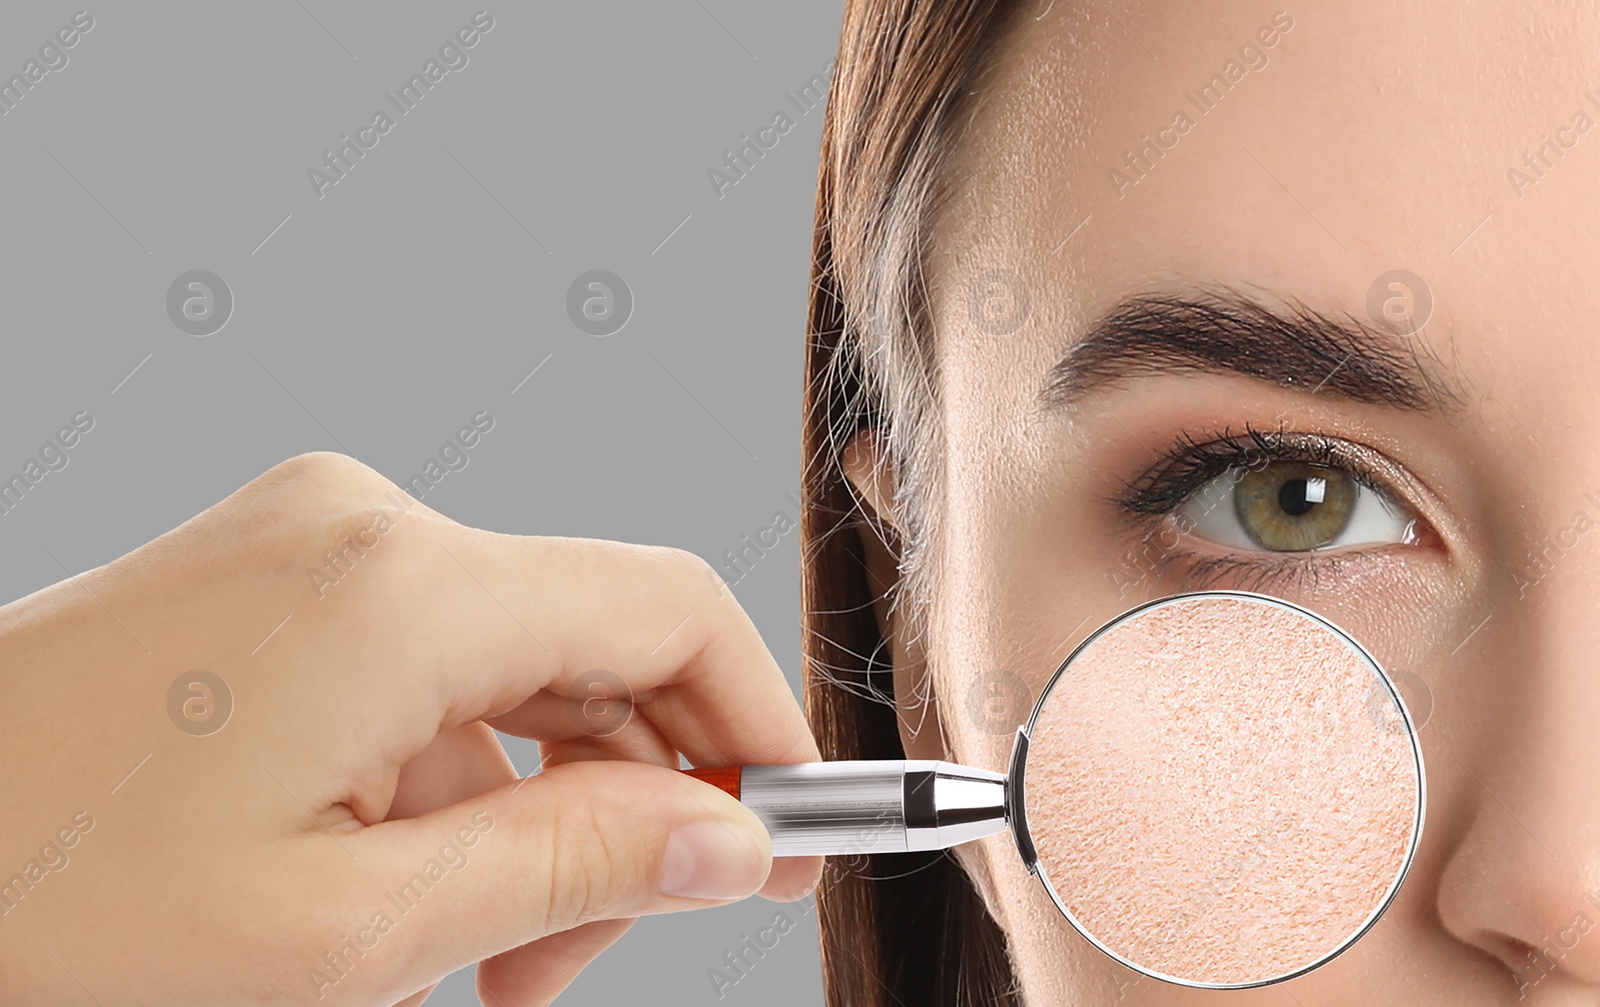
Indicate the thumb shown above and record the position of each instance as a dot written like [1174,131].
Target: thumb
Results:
[578,842]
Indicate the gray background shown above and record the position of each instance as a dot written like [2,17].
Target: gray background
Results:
[420,290]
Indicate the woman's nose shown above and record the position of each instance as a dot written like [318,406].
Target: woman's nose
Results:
[1520,757]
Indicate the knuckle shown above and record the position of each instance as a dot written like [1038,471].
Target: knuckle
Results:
[317,468]
[321,516]
[656,570]
[696,566]
[693,569]
[309,489]
[380,557]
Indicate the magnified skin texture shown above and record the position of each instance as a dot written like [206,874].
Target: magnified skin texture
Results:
[1370,137]
[1220,790]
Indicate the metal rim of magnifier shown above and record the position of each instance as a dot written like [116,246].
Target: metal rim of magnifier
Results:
[1017,812]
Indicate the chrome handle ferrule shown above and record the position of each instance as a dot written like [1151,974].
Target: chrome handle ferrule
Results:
[855,808]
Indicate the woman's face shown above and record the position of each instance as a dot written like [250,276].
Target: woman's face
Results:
[1363,161]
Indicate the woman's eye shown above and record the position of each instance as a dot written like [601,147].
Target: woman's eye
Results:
[1288,506]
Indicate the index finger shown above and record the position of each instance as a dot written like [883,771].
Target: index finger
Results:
[521,617]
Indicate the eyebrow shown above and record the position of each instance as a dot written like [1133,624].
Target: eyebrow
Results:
[1223,331]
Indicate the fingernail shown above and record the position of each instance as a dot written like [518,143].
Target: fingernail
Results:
[711,860]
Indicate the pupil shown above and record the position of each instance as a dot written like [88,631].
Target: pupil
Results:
[1292,498]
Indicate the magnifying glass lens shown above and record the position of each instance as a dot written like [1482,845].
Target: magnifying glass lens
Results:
[1218,791]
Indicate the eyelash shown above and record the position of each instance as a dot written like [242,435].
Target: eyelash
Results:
[1192,462]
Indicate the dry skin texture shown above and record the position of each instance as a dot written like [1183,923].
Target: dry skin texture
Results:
[1217,793]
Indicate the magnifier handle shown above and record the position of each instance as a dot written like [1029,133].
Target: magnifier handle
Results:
[852,808]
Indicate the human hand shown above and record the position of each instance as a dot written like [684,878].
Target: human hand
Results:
[334,821]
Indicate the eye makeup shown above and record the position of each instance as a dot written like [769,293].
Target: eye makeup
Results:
[1191,462]
[1265,505]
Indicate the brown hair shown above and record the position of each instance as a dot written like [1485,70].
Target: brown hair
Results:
[907,929]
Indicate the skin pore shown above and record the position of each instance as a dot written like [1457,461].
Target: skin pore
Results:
[1202,314]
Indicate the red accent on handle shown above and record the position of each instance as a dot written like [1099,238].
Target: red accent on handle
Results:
[725,780]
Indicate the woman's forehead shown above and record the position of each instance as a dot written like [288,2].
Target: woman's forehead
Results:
[1305,153]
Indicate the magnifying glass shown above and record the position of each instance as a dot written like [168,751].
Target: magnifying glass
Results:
[1220,790]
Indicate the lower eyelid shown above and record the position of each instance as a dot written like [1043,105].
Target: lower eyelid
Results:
[1268,573]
